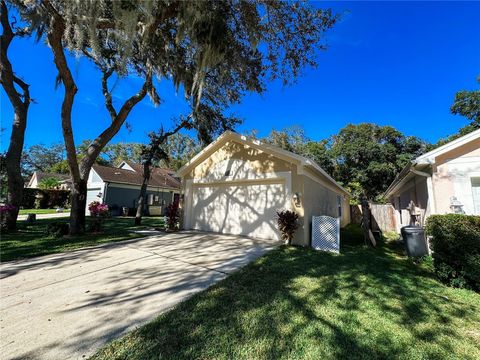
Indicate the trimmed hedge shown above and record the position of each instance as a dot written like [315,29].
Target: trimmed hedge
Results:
[49,198]
[455,241]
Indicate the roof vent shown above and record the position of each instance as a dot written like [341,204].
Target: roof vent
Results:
[117,173]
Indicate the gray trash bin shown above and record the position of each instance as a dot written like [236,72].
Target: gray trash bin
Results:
[414,239]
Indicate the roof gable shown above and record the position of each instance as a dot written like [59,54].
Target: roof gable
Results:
[275,151]
[429,157]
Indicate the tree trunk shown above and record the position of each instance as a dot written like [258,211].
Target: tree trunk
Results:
[79,203]
[143,192]
[366,224]
[155,143]
[20,103]
[80,172]
[12,164]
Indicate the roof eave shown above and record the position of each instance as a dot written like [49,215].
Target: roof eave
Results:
[279,152]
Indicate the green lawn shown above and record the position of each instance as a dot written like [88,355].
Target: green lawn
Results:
[300,304]
[40,211]
[30,240]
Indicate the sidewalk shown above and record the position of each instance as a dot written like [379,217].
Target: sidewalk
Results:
[46,216]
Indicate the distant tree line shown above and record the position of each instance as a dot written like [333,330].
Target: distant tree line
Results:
[51,158]
[365,158]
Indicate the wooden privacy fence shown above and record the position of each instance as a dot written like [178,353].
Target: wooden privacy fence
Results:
[382,216]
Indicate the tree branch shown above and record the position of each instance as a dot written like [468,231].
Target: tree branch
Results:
[54,37]
[106,93]
[7,76]
[94,149]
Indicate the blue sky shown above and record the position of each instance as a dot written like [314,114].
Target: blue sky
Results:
[391,63]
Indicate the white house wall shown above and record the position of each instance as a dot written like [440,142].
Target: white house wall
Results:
[454,178]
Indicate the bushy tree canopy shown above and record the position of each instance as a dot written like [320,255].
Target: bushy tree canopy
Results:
[369,156]
[467,104]
[365,158]
[40,157]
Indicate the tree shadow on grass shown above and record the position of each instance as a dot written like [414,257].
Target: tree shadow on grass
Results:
[297,303]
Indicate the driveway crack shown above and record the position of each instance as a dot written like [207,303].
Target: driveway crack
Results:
[176,259]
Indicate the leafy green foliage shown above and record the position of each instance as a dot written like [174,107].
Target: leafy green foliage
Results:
[371,156]
[456,249]
[42,158]
[56,229]
[44,199]
[365,158]
[180,148]
[294,139]
[49,183]
[467,104]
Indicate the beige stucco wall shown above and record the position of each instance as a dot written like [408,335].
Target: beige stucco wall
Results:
[414,190]
[253,162]
[320,199]
[452,175]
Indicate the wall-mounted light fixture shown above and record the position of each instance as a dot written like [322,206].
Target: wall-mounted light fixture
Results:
[456,205]
[297,199]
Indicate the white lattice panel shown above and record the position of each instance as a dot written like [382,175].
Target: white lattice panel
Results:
[326,233]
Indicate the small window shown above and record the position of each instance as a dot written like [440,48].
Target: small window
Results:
[227,173]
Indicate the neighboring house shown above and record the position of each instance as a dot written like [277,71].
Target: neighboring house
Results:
[444,180]
[236,185]
[120,187]
[38,176]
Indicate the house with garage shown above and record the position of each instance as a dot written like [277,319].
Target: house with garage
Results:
[444,180]
[236,185]
[119,187]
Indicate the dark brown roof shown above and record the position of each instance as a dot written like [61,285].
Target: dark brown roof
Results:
[159,177]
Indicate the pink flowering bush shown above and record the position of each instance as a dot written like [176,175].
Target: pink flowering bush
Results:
[97,209]
[4,209]
[98,213]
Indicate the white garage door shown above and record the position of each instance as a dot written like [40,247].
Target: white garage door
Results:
[239,209]
[92,196]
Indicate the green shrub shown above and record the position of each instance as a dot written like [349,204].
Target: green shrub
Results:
[455,241]
[45,199]
[352,234]
[57,229]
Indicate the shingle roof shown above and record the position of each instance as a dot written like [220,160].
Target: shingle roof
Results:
[159,177]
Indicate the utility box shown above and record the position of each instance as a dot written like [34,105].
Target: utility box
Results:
[326,233]
[415,241]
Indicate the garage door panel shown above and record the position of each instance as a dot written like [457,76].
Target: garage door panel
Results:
[242,210]
[92,195]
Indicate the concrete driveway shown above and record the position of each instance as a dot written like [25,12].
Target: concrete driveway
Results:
[66,306]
